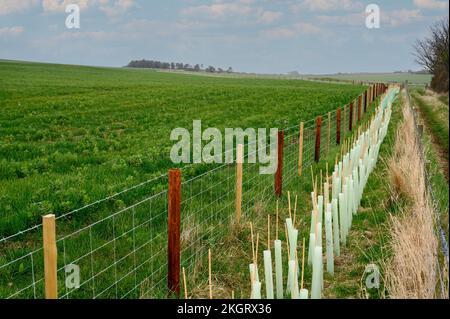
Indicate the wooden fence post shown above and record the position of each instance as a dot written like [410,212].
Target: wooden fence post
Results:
[239,163]
[318,137]
[359,108]
[174,209]
[300,150]
[279,173]
[365,101]
[50,256]
[350,122]
[329,133]
[338,127]
[344,118]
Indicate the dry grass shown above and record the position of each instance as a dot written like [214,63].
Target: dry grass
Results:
[411,273]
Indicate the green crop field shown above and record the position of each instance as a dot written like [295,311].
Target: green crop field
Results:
[70,135]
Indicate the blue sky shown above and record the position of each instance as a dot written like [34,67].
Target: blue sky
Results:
[264,36]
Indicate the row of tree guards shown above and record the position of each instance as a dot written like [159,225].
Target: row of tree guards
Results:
[174,195]
[333,209]
[362,103]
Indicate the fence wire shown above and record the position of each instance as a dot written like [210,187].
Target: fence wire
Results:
[120,249]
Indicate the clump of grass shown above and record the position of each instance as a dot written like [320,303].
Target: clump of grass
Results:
[411,272]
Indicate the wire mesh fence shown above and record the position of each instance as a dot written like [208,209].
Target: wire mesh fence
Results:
[120,250]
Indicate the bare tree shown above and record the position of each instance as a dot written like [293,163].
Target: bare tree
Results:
[432,54]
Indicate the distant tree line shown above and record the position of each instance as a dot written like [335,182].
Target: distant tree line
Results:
[150,64]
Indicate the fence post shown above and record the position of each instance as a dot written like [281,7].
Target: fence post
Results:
[318,136]
[359,108]
[174,208]
[50,256]
[239,163]
[365,101]
[350,122]
[279,173]
[344,118]
[338,127]
[329,133]
[300,150]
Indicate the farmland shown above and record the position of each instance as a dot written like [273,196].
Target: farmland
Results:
[419,79]
[71,135]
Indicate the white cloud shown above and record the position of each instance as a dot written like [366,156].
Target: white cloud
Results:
[11,31]
[327,5]
[60,5]
[13,6]
[118,8]
[393,18]
[292,31]
[431,4]
[219,10]
[226,10]
[352,20]
[94,35]
[112,8]
[397,18]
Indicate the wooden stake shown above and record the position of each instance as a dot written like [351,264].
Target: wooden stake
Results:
[300,150]
[287,240]
[184,284]
[315,187]
[50,256]
[321,182]
[289,204]
[210,275]
[257,247]
[295,209]
[345,119]
[239,163]
[338,127]
[268,232]
[253,242]
[329,133]
[276,230]
[303,261]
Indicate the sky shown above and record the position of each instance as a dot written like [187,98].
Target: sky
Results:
[262,36]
